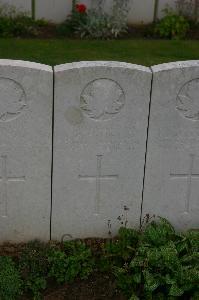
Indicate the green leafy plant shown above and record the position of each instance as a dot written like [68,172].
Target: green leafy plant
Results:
[77,18]
[165,264]
[10,281]
[154,262]
[96,23]
[101,25]
[58,265]
[173,25]
[15,24]
[75,260]
[34,266]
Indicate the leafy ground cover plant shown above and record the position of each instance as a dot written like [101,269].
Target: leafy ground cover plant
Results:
[10,281]
[154,262]
[40,262]
[75,260]
[165,265]
[172,26]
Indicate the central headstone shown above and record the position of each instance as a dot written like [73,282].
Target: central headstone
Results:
[101,114]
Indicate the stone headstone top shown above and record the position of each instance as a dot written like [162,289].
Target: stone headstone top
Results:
[25,64]
[96,64]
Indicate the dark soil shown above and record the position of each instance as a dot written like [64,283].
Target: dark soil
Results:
[48,31]
[148,32]
[193,34]
[14,250]
[97,287]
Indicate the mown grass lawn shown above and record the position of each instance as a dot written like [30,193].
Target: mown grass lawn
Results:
[58,51]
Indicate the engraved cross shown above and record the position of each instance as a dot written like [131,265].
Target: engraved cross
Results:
[4,180]
[98,179]
[189,175]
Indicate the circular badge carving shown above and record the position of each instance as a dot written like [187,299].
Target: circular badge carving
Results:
[102,99]
[12,99]
[188,100]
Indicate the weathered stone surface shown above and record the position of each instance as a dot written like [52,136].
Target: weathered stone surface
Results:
[26,92]
[172,169]
[101,114]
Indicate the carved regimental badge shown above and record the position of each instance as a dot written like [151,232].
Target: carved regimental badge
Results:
[102,99]
[12,99]
[188,100]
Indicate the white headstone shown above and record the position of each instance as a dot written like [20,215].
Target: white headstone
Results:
[172,169]
[25,150]
[101,114]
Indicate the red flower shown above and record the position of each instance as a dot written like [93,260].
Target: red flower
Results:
[81,8]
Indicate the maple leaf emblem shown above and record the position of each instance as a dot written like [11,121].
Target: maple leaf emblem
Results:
[188,100]
[102,98]
[12,99]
